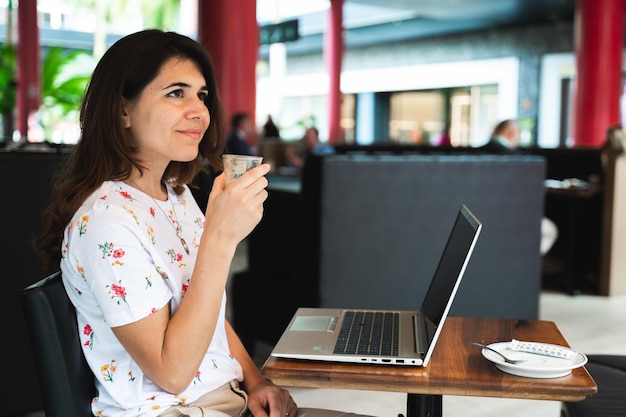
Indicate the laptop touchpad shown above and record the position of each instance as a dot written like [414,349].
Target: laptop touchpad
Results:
[312,323]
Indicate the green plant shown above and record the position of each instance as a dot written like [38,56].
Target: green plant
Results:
[64,77]
[7,78]
[7,87]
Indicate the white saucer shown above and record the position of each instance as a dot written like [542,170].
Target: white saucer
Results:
[535,366]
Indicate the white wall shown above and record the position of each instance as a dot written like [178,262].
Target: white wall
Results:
[504,72]
[554,67]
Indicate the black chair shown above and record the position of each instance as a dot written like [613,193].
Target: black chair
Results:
[67,383]
[609,372]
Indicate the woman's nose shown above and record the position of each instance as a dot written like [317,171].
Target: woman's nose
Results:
[198,108]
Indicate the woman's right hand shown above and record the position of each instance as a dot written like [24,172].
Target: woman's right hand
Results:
[234,210]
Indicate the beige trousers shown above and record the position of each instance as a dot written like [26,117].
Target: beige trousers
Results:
[231,401]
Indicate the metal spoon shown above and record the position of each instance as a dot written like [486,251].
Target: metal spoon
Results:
[506,359]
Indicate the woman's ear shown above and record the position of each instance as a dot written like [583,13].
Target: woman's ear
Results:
[125,117]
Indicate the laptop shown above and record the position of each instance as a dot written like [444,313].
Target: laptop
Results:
[409,337]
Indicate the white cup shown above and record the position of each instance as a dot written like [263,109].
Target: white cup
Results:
[236,165]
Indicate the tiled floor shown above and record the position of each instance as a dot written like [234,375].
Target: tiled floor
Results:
[591,324]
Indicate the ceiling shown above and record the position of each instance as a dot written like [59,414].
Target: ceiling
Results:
[404,19]
[488,12]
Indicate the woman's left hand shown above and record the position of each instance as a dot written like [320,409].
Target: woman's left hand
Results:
[269,400]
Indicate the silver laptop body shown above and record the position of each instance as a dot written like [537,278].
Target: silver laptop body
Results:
[313,333]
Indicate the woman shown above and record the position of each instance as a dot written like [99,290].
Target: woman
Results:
[144,267]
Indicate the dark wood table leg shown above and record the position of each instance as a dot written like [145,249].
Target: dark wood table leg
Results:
[422,405]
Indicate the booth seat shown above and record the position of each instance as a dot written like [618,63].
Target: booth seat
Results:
[573,264]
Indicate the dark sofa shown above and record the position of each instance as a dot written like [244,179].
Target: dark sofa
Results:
[367,230]
[26,177]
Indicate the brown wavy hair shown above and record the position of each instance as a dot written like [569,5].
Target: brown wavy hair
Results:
[103,152]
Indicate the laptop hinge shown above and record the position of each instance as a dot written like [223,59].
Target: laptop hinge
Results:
[419,336]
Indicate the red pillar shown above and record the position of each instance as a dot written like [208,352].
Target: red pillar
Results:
[598,43]
[229,31]
[333,51]
[28,63]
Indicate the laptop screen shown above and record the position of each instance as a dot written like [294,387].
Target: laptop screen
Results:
[452,263]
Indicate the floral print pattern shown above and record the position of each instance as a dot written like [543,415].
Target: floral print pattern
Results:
[88,331]
[118,292]
[107,370]
[108,250]
[122,261]
[82,225]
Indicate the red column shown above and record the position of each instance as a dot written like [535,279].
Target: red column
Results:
[229,31]
[28,63]
[598,43]
[333,52]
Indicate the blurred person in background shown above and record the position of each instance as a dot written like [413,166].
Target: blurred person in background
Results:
[504,138]
[311,145]
[240,130]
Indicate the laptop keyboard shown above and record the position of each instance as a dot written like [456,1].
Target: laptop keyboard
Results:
[369,333]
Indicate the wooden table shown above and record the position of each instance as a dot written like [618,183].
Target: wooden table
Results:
[456,368]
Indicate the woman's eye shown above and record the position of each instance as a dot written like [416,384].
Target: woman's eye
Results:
[175,93]
[203,95]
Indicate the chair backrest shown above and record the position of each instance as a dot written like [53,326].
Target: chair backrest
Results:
[67,383]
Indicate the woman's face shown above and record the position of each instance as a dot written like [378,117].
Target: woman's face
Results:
[168,119]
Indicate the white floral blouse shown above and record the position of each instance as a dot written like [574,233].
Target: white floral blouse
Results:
[124,256]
